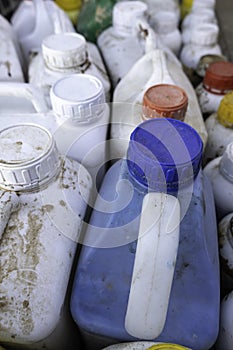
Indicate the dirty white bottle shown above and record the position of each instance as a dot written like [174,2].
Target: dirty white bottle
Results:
[10,55]
[220,173]
[203,40]
[146,345]
[155,6]
[78,103]
[225,337]
[156,67]
[218,80]
[219,126]
[63,54]
[43,200]
[34,20]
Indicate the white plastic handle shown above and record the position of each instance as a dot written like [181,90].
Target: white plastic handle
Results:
[154,266]
[26,91]
[9,202]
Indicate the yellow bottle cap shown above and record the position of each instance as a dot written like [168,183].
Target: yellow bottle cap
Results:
[225,110]
[167,346]
[69,5]
[185,7]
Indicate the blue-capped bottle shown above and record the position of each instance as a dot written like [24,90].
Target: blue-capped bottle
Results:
[149,267]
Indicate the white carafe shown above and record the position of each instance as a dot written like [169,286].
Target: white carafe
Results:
[63,54]
[225,337]
[218,80]
[220,173]
[146,345]
[34,20]
[219,126]
[203,40]
[156,67]
[11,69]
[44,198]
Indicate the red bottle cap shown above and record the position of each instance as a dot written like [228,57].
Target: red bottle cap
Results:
[219,77]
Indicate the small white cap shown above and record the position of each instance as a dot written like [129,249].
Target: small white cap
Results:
[29,157]
[64,50]
[205,34]
[125,14]
[80,96]
[164,22]
[226,163]
[201,4]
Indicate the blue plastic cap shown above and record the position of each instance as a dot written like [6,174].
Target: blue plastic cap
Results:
[164,154]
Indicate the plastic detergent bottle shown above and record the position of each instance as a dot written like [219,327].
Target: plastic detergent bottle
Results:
[34,20]
[71,7]
[219,126]
[63,54]
[220,173]
[218,80]
[146,346]
[43,202]
[10,64]
[225,337]
[131,283]
[78,102]
[203,41]
[156,67]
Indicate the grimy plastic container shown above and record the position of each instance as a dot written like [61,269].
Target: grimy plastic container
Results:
[44,198]
[148,268]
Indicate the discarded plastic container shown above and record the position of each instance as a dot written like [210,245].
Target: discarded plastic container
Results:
[71,7]
[156,67]
[44,197]
[219,126]
[10,64]
[217,82]
[126,286]
[34,20]
[220,173]
[225,337]
[185,8]
[155,6]
[64,54]
[146,346]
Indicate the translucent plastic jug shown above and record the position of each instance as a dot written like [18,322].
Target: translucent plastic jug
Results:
[44,198]
[156,67]
[129,284]
[64,54]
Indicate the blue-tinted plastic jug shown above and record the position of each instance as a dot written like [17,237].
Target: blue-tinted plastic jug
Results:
[121,290]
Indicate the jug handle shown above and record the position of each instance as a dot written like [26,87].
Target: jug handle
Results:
[27,91]
[154,266]
[9,202]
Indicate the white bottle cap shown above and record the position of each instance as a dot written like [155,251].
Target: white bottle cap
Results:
[201,4]
[126,13]
[226,163]
[164,22]
[80,96]
[29,157]
[205,34]
[64,50]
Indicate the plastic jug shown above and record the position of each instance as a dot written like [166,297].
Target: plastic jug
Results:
[44,197]
[219,126]
[63,54]
[217,82]
[146,346]
[10,64]
[71,7]
[220,173]
[156,67]
[34,20]
[129,284]
[224,341]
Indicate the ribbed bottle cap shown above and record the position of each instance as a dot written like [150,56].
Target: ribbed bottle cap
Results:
[205,61]
[165,100]
[196,18]
[29,157]
[164,154]
[64,50]
[80,96]
[200,4]
[219,77]
[125,14]
[225,110]
[226,163]
[167,346]
[164,22]
[205,34]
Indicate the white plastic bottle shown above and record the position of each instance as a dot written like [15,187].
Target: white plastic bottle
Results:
[156,67]
[220,173]
[10,55]
[225,337]
[78,103]
[140,345]
[34,20]
[218,80]
[203,41]
[63,54]
[44,197]
[155,6]
[219,126]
